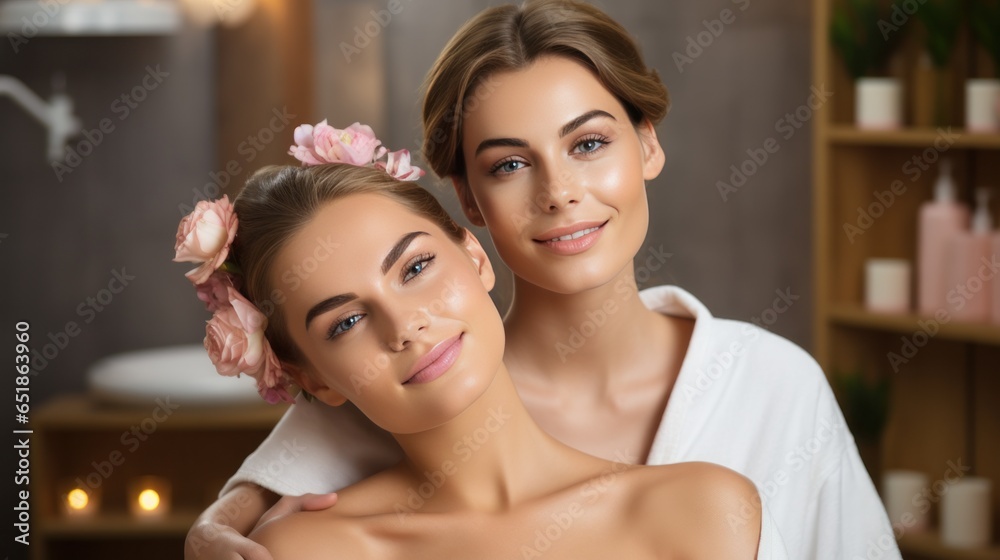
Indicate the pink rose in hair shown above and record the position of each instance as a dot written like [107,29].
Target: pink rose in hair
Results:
[272,383]
[204,236]
[398,165]
[322,143]
[234,337]
[215,290]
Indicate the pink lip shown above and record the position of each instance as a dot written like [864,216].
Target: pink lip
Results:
[434,363]
[571,246]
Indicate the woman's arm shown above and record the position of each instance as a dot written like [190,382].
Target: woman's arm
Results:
[220,530]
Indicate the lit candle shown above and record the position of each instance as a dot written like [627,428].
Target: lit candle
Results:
[149,497]
[77,501]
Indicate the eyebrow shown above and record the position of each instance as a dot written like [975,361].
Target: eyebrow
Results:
[390,259]
[568,128]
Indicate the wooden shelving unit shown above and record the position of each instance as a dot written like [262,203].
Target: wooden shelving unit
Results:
[75,437]
[944,402]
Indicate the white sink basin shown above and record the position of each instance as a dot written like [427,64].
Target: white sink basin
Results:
[184,373]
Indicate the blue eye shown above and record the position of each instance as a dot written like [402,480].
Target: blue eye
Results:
[506,167]
[417,266]
[591,145]
[343,326]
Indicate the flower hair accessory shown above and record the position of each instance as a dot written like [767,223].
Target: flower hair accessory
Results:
[357,145]
[234,336]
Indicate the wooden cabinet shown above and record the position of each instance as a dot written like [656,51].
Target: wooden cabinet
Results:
[944,403]
[196,449]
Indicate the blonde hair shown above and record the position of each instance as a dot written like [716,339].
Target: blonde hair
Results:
[278,201]
[511,37]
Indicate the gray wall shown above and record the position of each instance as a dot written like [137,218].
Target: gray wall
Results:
[119,207]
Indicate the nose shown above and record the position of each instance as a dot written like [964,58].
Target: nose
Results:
[407,327]
[559,188]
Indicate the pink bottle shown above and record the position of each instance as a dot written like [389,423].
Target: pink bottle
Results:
[996,281]
[970,292]
[939,221]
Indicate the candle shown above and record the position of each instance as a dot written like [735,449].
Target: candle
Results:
[149,497]
[78,501]
[887,285]
[966,515]
[901,490]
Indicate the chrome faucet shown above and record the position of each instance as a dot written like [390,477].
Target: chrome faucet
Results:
[56,115]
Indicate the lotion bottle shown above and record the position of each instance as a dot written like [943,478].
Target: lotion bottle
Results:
[970,289]
[996,280]
[940,220]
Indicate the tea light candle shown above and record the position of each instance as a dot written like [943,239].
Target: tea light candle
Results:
[887,285]
[149,497]
[78,501]
[900,488]
[966,515]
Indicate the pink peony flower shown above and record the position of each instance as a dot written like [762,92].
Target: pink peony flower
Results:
[234,337]
[398,165]
[204,236]
[322,143]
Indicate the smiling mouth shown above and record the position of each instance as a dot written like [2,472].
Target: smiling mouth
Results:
[436,362]
[565,235]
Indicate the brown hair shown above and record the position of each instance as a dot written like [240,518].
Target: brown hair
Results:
[512,37]
[278,201]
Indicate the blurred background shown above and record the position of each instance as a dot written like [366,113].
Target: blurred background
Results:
[177,101]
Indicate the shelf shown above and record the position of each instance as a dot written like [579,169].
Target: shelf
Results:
[916,137]
[857,316]
[117,526]
[79,412]
[929,545]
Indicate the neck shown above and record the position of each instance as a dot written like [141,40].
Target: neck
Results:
[601,330]
[488,458]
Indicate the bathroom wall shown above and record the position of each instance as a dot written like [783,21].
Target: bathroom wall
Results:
[105,222]
[115,212]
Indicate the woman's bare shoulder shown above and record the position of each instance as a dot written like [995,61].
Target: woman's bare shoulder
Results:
[347,527]
[699,510]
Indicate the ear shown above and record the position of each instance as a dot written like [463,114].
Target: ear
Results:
[309,381]
[468,202]
[652,152]
[482,262]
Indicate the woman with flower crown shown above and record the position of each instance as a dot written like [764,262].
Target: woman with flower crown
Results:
[403,286]
[543,117]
